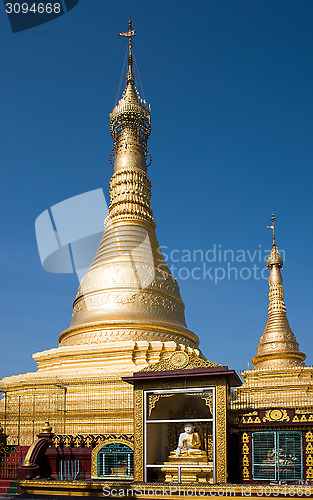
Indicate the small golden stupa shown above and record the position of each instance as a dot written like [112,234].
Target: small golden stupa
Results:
[280,376]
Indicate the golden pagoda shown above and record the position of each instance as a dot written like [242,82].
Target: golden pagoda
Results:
[280,376]
[128,312]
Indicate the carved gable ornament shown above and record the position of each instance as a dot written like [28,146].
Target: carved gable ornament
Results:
[180,360]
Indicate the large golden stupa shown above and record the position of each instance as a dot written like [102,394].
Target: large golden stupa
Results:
[128,312]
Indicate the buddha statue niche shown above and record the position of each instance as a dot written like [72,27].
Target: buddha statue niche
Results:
[187,453]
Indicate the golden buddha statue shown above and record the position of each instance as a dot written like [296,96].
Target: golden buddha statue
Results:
[188,453]
[189,443]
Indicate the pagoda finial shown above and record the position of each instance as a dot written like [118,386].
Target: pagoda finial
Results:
[274,258]
[273,220]
[130,33]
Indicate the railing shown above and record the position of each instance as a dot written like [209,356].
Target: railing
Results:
[288,388]
[8,470]
[77,406]
[70,470]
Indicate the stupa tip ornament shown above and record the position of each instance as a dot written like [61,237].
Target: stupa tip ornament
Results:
[129,293]
[274,258]
[278,348]
[130,122]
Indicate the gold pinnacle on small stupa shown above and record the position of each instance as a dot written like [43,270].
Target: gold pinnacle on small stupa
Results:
[278,347]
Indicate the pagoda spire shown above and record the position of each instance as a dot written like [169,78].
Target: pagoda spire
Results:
[278,347]
[130,122]
[130,127]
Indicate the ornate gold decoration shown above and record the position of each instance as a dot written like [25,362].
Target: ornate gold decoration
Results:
[276,415]
[309,460]
[309,436]
[309,473]
[309,456]
[152,401]
[250,418]
[309,448]
[179,360]
[154,398]
[103,333]
[98,438]
[103,442]
[278,346]
[245,439]
[56,440]
[208,398]
[194,361]
[245,448]
[6,450]
[221,452]
[87,441]
[67,440]
[138,434]
[77,441]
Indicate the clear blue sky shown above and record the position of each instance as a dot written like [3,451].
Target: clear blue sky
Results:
[230,86]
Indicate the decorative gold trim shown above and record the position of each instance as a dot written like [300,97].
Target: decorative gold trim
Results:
[194,361]
[179,360]
[221,451]
[309,456]
[138,433]
[245,439]
[276,415]
[208,401]
[152,401]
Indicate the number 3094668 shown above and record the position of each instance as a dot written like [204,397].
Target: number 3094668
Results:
[35,8]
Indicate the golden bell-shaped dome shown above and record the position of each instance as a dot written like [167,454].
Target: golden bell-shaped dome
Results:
[128,292]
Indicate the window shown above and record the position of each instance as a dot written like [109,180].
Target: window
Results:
[277,455]
[115,460]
